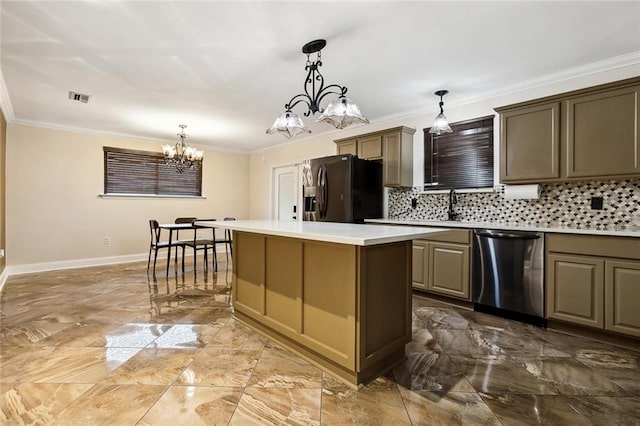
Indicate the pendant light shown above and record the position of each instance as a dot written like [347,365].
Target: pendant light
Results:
[340,113]
[440,125]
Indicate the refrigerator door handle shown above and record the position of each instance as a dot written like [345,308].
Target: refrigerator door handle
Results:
[322,191]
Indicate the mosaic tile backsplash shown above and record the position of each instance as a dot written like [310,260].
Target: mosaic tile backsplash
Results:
[561,204]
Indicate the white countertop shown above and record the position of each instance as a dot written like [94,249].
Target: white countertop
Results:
[631,231]
[345,233]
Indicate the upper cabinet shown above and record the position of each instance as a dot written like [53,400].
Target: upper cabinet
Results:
[587,134]
[530,143]
[393,146]
[365,147]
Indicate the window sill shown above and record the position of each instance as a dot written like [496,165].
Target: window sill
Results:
[137,196]
[458,191]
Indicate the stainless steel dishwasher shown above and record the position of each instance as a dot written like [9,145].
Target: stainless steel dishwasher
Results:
[508,274]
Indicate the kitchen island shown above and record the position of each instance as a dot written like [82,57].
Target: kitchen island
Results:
[337,294]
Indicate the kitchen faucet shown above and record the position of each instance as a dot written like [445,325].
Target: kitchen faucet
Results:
[453,199]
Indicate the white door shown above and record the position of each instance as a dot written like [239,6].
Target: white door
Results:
[285,193]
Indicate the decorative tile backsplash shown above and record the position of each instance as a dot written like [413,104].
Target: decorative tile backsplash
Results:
[562,204]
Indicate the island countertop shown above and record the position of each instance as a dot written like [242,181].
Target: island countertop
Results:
[345,233]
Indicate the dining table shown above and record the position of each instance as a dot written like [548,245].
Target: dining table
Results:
[179,227]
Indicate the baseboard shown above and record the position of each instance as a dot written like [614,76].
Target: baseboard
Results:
[75,263]
[72,264]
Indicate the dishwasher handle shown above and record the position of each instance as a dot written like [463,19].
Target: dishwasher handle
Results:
[507,234]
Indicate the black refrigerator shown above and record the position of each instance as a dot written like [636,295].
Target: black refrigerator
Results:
[342,188]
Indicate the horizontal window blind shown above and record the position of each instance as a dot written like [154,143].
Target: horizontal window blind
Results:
[461,159]
[129,171]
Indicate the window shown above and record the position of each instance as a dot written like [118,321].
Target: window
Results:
[462,159]
[128,171]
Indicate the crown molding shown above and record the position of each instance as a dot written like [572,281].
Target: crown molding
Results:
[86,131]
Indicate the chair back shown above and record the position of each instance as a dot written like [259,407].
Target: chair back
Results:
[154,227]
[185,219]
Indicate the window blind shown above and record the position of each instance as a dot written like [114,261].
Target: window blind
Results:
[461,159]
[129,171]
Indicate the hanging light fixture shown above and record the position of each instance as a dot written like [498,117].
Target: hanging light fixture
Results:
[181,155]
[341,113]
[441,126]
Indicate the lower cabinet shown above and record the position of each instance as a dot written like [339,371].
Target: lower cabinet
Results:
[622,296]
[594,281]
[575,289]
[441,265]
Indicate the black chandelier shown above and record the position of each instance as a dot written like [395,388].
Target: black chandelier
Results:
[341,113]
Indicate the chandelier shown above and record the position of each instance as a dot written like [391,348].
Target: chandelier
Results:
[181,155]
[341,113]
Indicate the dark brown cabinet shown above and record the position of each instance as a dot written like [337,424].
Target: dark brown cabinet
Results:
[587,134]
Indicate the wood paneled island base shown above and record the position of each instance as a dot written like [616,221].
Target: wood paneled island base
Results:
[345,308]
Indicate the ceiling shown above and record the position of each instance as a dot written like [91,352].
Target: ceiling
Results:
[226,68]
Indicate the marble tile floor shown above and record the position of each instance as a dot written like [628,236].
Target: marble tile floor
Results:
[107,345]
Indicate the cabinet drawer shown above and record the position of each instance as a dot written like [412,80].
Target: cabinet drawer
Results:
[594,245]
[460,236]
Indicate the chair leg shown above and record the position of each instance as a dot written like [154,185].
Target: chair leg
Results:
[155,259]
[149,260]
[183,247]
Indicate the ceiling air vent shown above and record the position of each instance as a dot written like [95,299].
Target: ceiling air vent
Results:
[80,97]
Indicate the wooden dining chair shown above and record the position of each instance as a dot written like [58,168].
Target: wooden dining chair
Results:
[156,244]
[201,243]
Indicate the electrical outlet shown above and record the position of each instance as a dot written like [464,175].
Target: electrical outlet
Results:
[1,252]
[107,240]
[597,203]
[414,203]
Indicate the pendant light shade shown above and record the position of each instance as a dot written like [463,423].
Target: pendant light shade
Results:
[441,125]
[288,124]
[341,113]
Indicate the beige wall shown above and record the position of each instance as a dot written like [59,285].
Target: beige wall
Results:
[3,203]
[54,178]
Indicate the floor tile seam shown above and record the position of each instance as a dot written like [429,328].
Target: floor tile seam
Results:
[404,404]
[244,388]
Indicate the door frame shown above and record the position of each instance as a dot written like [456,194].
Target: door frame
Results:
[273,199]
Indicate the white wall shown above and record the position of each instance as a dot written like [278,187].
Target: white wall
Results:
[54,213]
[298,150]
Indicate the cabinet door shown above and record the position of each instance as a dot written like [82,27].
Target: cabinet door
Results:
[602,134]
[347,147]
[392,166]
[530,143]
[419,266]
[370,148]
[575,289]
[622,294]
[448,272]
